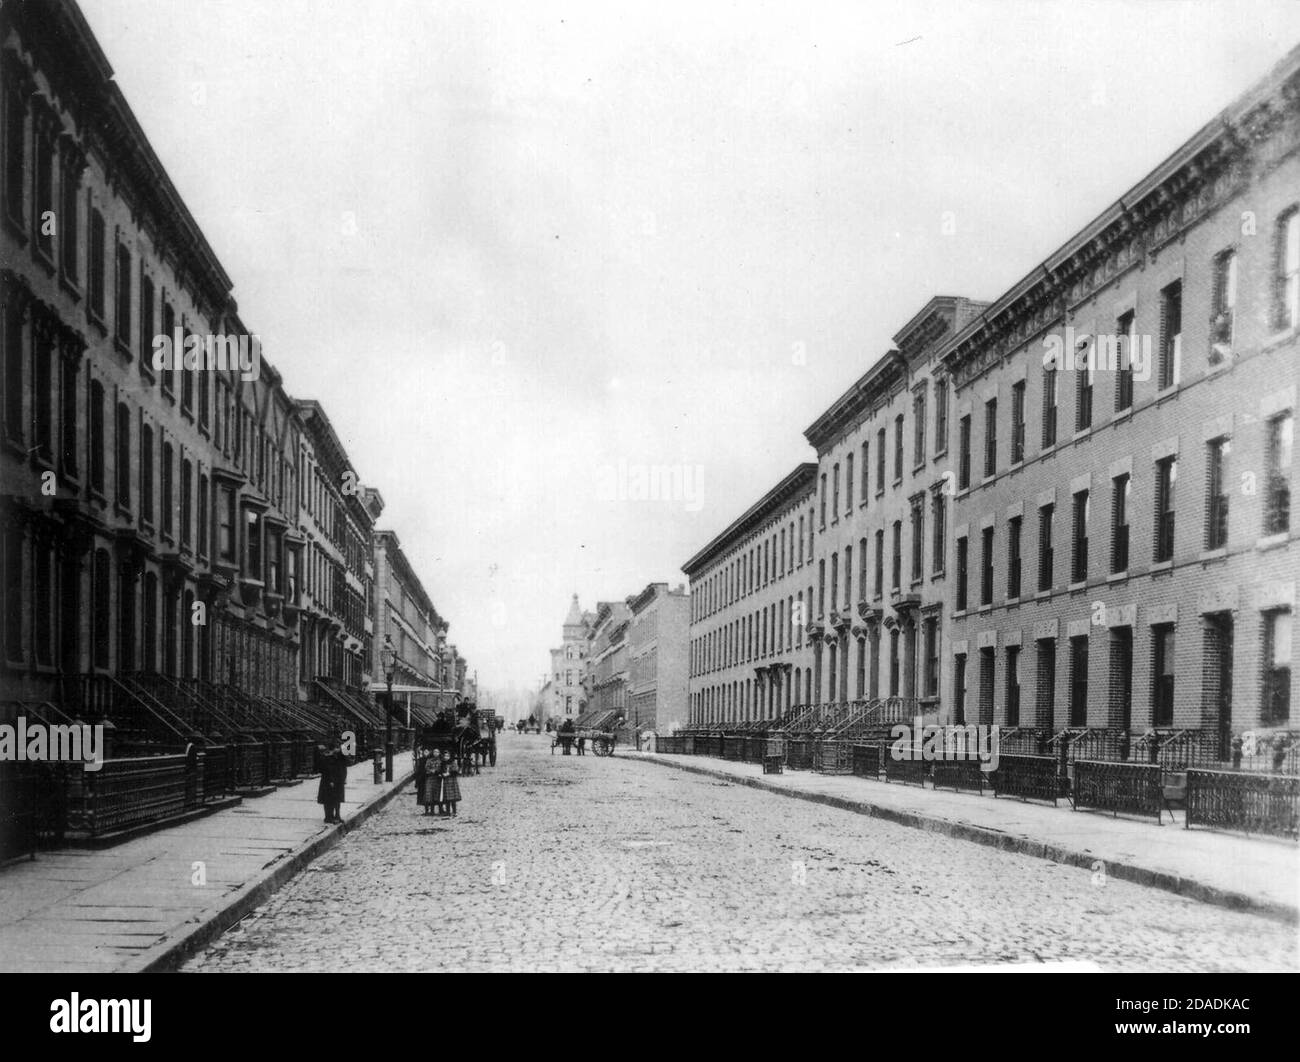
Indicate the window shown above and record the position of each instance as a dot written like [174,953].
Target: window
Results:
[862,569]
[893,662]
[1287,291]
[961,573]
[1013,685]
[1216,512]
[15,150]
[823,501]
[1013,557]
[97,441]
[13,351]
[146,473]
[1223,305]
[1051,382]
[99,616]
[896,571]
[146,322]
[898,448]
[1126,330]
[1046,556]
[1045,701]
[68,415]
[918,429]
[169,330]
[71,181]
[959,689]
[1119,506]
[123,456]
[848,483]
[963,458]
[930,676]
[1162,668]
[1079,681]
[1171,334]
[95,272]
[1083,388]
[880,564]
[986,566]
[43,361]
[848,578]
[990,437]
[1018,422]
[1120,700]
[880,461]
[835,582]
[939,521]
[821,588]
[866,472]
[44,194]
[187,489]
[122,311]
[918,538]
[1280,446]
[1079,554]
[940,416]
[1276,709]
[835,499]
[168,498]
[203,516]
[1166,479]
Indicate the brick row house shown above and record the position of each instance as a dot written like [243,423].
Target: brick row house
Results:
[1068,509]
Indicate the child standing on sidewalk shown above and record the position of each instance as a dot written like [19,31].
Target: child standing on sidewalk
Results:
[450,794]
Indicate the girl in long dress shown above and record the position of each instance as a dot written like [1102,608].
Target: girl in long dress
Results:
[449,795]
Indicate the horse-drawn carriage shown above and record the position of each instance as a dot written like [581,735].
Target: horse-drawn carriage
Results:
[470,737]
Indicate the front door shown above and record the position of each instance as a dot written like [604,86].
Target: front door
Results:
[1223,651]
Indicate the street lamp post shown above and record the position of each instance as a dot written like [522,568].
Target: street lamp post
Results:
[388,657]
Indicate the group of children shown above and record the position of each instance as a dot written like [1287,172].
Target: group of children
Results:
[437,783]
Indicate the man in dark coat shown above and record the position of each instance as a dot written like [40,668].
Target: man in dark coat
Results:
[333,779]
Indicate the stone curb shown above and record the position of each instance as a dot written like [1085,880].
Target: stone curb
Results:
[168,954]
[965,831]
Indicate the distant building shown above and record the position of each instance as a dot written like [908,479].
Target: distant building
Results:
[407,615]
[569,665]
[608,658]
[658,647]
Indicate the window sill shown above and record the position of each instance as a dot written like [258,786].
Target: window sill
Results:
[939,455]
[984,610]
[959,613]
[1278,338]
[1042,595]
[44,258]
[123,348]
[93,317]
[1047,450]
[1122,414]
[880,492]
[1273,541]
[122,510]
[69,284]
[1077,586]
[1214,554]
[936,577]
[1117,577]
[898,481]
[17,228]
[1016,466]
[918,469]
[1082,433]
[1161,566]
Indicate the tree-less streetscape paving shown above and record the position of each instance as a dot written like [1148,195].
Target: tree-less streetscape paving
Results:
[589,863]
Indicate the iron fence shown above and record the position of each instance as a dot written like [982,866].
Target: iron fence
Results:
[1133,788]
[1027,777]
[958,774]
[1233,800]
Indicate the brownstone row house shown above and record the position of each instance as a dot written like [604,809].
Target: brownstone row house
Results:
[1065,509]
[196,521]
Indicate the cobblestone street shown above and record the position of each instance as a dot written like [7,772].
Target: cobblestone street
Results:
[598,864]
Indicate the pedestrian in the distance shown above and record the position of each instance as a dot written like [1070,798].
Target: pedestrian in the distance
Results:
[333,780]
[582,744]
[424,780]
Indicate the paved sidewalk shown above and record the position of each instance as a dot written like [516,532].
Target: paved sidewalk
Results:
[135,905]
[1259,874]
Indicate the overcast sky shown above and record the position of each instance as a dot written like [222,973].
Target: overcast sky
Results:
[513,248]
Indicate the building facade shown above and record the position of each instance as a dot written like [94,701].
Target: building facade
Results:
[171,524]
[608,658]
[658,669]
[407,616]
[1067,509]
[569,666]
[750,653]
[1128,523]
[881,558]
